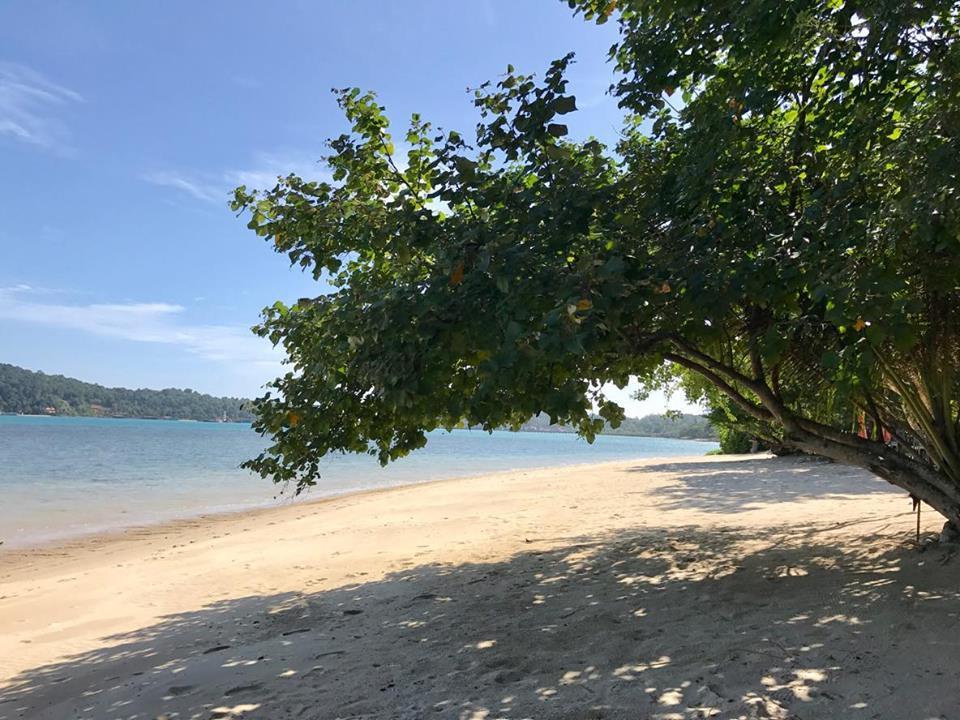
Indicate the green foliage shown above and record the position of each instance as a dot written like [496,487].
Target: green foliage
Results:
[693,427]
[34,393]
[779,221]
[471,284]
[734,441]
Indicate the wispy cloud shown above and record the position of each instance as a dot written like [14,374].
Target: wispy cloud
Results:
[198,188]
[267,167]
[29,105]
[262,173]
[147,322]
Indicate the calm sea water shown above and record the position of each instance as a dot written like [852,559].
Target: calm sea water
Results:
[61,477]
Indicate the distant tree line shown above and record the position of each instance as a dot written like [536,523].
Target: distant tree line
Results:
[671,425]
[35,393]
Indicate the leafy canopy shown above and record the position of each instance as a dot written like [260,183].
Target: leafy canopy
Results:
[474,283]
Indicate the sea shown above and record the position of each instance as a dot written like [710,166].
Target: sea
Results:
[63,477]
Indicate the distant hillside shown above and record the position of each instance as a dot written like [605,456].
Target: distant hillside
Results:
[35,393]
[692,427]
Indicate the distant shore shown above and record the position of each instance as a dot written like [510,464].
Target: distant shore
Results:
[656,587]
[535,431]
[123,417]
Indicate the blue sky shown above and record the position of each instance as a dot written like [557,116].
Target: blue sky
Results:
[123,127]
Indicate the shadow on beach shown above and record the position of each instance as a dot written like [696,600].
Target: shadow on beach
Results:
[741,485]
[669,624]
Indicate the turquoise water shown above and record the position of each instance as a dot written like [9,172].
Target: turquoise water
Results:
[61,477]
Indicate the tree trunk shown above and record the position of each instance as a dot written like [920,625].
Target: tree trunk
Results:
[923,482]
[935,484]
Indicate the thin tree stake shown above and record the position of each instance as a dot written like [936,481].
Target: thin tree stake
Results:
[916,506]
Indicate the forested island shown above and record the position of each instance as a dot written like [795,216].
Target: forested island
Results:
[36,393]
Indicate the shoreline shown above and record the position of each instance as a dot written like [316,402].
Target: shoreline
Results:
[757,586]
[55,543]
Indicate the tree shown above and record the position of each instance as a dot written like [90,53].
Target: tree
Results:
[779,220]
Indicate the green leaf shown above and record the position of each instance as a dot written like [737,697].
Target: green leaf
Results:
[565,105]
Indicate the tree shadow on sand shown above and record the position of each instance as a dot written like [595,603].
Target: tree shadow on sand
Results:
[666,624]
[742,485]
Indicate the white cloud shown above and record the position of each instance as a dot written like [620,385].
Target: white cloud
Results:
[29,103]
[261,174]
[200,189]
[153,322]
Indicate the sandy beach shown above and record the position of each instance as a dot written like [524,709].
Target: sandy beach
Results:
[724,587]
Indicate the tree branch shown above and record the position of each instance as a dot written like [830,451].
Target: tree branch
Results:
[756,411]
[773,405]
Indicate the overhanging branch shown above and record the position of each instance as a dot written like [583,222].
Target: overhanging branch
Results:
[754,410]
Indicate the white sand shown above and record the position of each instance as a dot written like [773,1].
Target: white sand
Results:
[698,587]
